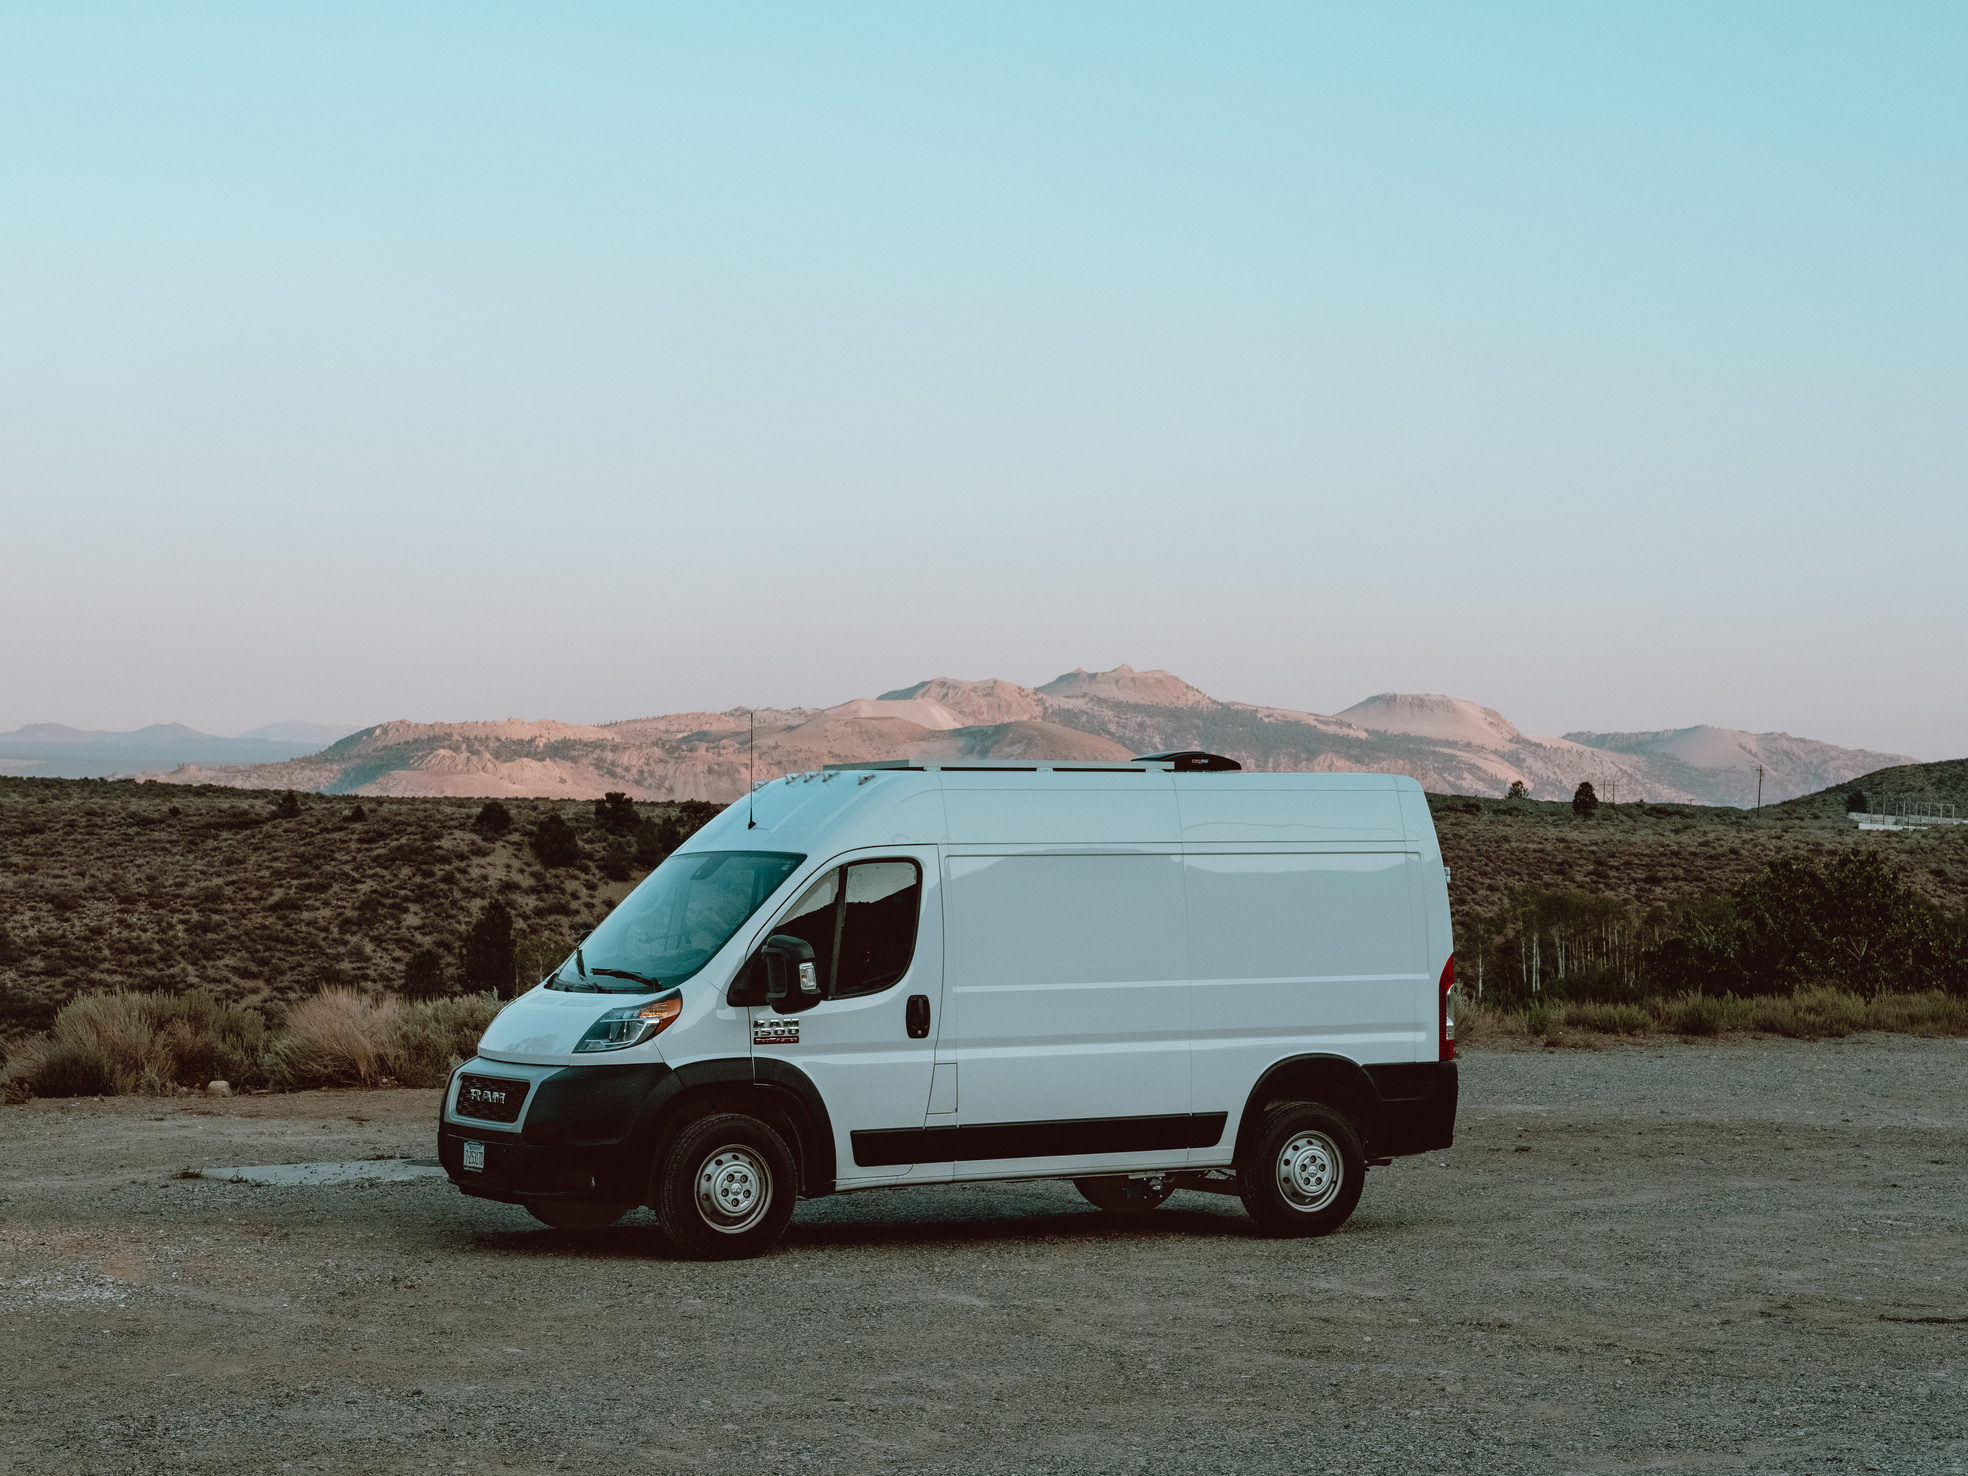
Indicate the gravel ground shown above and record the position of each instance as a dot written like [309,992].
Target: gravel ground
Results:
[1740,1257]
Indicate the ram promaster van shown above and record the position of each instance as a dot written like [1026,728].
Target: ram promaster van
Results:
[1142,977]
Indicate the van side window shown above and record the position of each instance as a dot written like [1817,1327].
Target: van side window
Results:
[864,932]
[878,925]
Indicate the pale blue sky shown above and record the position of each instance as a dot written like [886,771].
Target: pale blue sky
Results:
[1603,364]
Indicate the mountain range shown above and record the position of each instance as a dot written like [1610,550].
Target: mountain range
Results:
[57,751]
[1450,744]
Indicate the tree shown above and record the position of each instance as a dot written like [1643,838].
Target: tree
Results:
[1584,801]
[615,813]
[486,959]
[287,807]
[357,815]
[424,974]
[1850,922]
[555,843]
[493,818]
[1855,802]
[1518,790]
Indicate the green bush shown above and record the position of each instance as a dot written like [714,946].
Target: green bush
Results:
[615,813]
[1694,1014]
[555,843]
[493,818]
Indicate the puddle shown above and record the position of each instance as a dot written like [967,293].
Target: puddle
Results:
[369,1170]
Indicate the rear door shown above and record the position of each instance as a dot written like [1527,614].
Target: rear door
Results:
[875,923]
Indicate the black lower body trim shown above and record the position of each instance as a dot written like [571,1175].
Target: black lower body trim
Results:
[1417,1107]
[1073,1138]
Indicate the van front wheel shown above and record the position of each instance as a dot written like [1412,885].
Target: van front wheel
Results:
[725,1190]
[1304,1171]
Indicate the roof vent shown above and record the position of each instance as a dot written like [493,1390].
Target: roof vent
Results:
[1191,761]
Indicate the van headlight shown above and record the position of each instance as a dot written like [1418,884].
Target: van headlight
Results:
[631,1025]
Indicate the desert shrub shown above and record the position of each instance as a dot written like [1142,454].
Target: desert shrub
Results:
[615,813]
[1518,791]
[1693,1014]
[434,1037]
[287,807]
[1540,1017]
[1931,1012]
[424,975]
[338,1037]
[486,958]
[493,818]
[108,1044]
[1609,1019]
[555,843]
[615,861]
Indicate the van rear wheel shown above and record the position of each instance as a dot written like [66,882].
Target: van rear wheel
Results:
[573,1214]
[1111,1194]
[1304,1171]
[726,1188]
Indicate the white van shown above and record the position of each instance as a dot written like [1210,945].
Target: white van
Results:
[1143,977]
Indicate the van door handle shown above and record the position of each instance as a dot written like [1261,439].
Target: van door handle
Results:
[918,1017]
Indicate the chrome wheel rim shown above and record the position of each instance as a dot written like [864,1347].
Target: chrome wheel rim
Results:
[1310,1171]
[734,1189]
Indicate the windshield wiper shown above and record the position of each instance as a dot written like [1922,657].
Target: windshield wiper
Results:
[625,974]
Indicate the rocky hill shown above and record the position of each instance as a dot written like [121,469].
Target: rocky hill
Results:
[1452,745]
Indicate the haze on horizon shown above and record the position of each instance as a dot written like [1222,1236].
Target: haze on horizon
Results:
[473,361]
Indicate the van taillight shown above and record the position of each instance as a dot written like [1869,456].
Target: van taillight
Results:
[1448,1010]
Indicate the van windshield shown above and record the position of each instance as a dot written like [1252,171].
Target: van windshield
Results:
[669,927]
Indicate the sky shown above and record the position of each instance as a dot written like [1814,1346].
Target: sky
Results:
[1599,363]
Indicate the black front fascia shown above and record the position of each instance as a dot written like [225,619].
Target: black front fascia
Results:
[1074,1138]
[591,1132]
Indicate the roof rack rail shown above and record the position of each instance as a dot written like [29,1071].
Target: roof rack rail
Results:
[1191,761]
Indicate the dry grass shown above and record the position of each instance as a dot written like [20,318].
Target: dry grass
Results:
[1810,1014]
[115,1044]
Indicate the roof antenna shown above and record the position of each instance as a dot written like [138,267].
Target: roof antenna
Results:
[751,769]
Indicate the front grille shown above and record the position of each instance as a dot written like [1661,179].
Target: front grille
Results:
[490,1098]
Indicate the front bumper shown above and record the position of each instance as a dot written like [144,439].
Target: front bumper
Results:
[583,1132]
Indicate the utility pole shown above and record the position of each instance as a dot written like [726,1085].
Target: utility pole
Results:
[1759,789]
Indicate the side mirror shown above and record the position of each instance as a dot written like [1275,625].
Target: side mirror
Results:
[792,978]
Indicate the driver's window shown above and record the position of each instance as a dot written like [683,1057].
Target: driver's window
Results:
[814,919]
[864,934]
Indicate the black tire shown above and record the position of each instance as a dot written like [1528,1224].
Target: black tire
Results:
[1304,1170]
[575,1214]
[1110,1194]
[725,1189]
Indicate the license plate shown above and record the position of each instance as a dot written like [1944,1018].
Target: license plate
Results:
[474,1155]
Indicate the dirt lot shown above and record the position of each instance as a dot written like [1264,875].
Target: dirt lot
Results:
[1738,1257]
